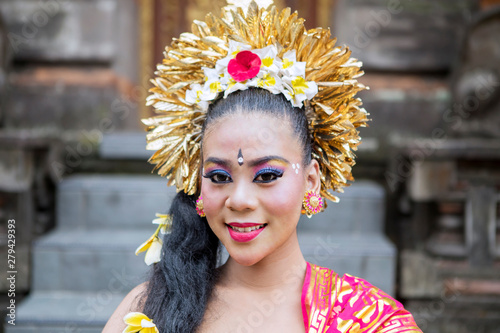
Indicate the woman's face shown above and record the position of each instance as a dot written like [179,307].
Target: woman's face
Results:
[253,178]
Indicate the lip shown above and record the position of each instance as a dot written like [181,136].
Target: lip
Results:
[244,225]
[244,236]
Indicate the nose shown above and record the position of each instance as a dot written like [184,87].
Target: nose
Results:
[242,197]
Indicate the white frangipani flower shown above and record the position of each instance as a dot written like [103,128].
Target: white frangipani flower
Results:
[234,86]
[290,65]
[200,95]
[276,75]
[270,61]
[270,81]
[298,90]
[164,221]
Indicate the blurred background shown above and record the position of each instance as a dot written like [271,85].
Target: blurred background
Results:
[421,221]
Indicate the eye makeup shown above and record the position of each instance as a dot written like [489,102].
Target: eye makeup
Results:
[216,173]
[274,164]
[265,170]
[268,174]
[269,171]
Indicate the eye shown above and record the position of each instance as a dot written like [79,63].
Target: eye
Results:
[267,175]
[218,176]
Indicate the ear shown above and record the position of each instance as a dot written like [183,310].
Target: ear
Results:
[313,176]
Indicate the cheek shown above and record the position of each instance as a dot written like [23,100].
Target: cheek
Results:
[285,198]
[213,198]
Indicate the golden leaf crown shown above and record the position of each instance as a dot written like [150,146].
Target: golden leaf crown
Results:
[334,114]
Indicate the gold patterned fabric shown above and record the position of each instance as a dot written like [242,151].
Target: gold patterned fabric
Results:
[335,304]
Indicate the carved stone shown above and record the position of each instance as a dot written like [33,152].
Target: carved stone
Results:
[403,34]
[476,80]
[61,30]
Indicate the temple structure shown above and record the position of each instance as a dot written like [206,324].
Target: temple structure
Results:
[422,220]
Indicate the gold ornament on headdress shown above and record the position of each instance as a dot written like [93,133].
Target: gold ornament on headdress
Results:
[333,113]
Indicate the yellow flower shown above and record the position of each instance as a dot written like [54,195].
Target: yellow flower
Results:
[231,83]
[198,96]
[139,323]
[287,63]
[267,61]
[299,85]
[235,52]
[165,222]
[267,80]
[153,246]
[215,87]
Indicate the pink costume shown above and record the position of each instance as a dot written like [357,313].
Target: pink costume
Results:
[335,304]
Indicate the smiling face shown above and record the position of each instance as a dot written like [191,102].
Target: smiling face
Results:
[252,193]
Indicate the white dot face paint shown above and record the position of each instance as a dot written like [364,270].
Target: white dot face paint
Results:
[296,167]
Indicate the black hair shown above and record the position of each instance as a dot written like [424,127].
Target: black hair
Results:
[181,284]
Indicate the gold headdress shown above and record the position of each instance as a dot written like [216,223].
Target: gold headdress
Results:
[333,111]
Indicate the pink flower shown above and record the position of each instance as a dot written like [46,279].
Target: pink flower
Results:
[246,65]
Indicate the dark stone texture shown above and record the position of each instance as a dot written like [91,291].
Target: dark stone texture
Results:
[61,30]
[403,35]
[455,314]
[476,80]
[69,99]
[480,220]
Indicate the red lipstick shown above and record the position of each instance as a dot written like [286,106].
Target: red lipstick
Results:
[244,225]
[244,236]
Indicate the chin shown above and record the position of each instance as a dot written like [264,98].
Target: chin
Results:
[246,260]
[246,256]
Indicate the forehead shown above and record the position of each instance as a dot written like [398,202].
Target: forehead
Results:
[255,134]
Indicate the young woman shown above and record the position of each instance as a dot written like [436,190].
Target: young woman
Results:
[248,161]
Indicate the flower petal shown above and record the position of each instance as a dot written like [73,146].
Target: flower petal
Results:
[245,66]
[236,47]
[135,318]
[147,323]
[193,94]
[144,246]
[154,253]
[132,329]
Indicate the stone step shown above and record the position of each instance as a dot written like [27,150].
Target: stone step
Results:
[58,312]
[130,201]
[368,256]
[109,201]
[103,259]
[89,260]
[124,145]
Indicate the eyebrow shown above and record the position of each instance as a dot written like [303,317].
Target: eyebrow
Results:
[252,163]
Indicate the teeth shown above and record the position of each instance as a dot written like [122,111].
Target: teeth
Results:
[248,229]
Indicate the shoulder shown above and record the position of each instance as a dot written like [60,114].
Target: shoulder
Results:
[131,303]
[354,304]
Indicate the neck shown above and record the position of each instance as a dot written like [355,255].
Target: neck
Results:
[283,269]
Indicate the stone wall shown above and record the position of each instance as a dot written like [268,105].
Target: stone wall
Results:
[72,62]
[68,75]
[72,72]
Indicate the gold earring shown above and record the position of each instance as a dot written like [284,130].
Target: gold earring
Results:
[313,203]
[199,206]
